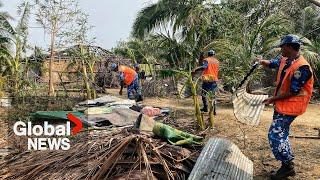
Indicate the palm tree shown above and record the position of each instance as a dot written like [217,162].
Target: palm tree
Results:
[237,30]
[179,14]
[315,2]
[6,34]
[311,50]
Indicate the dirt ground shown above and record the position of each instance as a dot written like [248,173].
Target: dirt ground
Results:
[251,140]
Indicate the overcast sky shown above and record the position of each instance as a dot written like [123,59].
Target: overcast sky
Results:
[112,20]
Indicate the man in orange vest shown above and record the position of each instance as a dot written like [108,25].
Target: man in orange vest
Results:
[291,98]
[128,77]
[210,70]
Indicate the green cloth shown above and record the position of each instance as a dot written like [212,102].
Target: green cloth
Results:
[175,136]
[54,115]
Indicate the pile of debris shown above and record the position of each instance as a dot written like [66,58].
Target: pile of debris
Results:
[119,153]
[121,141]
[158,87]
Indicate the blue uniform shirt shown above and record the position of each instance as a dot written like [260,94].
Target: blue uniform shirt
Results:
[296,82]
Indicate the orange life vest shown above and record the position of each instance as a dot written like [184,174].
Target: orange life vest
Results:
[295,105]
[129,74]
[211,73]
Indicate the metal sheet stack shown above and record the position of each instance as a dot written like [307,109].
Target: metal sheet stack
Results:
[247,107]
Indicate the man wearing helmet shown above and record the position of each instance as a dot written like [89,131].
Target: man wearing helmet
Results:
[291,98]
[210,70]
[128,77]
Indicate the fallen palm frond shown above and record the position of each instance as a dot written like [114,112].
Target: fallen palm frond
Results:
[117,154]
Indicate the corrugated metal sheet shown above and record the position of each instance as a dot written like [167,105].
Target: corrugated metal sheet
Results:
[221,159]
[247,107]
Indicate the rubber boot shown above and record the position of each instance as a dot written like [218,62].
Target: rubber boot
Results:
[286,170]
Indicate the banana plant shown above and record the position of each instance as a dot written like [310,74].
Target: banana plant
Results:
[196,103]
[13,61]
[2,86]
[83,60]
[211,99]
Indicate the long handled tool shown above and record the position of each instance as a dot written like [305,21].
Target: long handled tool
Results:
[247,107]
[254,66]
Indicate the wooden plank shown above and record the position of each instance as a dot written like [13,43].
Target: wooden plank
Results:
[221,159]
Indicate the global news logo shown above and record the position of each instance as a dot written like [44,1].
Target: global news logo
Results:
[48,136]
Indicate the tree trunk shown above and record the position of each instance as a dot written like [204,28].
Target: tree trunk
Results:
[94,93]
[151,70]
[196,104]
[16,68]
[51,89]
[211,117]
[198,112]
[85,78]
[16,80]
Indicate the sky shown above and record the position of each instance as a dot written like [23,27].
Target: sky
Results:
[111,20]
